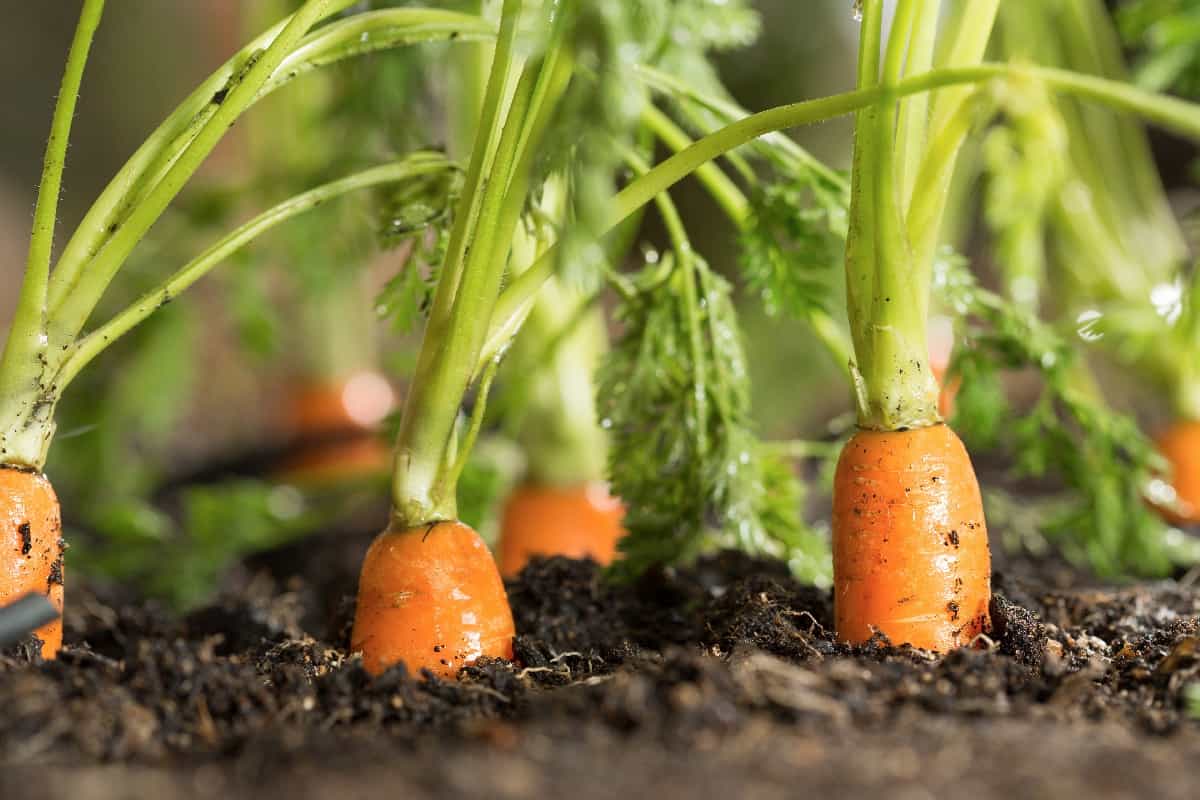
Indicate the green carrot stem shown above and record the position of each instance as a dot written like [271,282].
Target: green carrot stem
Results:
[68,319]
[87,348]
[364,33]
[1171,113]
[25,438]
[736,206]
[422,487]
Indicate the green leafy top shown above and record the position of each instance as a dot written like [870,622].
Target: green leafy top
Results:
[1109,467]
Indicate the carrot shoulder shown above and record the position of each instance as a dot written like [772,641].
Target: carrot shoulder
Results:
[430,597]
[910,547]
[31,546]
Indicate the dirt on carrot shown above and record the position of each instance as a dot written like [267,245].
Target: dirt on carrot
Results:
[910,547]
[575,521]
[431,598]
[31,547]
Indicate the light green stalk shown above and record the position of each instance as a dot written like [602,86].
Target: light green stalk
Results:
[26,411]
[41,353]
[1171,113]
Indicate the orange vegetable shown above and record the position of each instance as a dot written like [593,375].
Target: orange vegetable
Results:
[910,550]
[31,547]
[581,521]
[1180,445]
[432,598]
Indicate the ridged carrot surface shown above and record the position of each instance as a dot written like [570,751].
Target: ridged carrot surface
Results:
[910,549]
[31,546]
[430,597]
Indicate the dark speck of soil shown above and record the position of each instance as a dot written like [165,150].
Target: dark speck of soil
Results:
[26,533]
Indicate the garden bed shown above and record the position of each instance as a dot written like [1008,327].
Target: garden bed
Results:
[718,680]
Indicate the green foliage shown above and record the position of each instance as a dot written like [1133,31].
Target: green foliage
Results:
[1025,158]
[794,243]
[676,398]
[1167,34]
[414,221]
[181,561]
[1070,434]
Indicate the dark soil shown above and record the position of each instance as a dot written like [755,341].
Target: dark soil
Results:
[720,680]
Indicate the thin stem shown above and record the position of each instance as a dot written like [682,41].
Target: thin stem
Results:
[462,303]
[737,208]
[86,349]
[914,111]
[1171,113]
[20,367]
[102,219]
[67,320]
[475,425]
[722,188]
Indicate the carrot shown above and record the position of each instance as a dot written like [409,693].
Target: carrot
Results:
[333,424]
[430,597]
[911,550]
[1180,445]
[31,547]
[579,521]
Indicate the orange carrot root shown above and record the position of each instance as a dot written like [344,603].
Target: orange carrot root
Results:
[1180,446]
[910,548]
[430,597]
[582,521]
[334,423]
[31,546]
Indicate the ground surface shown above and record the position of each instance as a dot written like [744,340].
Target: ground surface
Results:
[717,681]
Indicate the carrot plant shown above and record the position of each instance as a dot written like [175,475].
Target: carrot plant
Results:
[1075,202]
[47,345]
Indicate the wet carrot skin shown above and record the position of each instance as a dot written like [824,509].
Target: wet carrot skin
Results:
[911,555]
[31,546]
[580,521]
[1180,446]
[432,598]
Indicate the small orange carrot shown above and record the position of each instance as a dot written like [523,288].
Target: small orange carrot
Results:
[1180,446]
[31,547]
[910,550]
[430,597]
[333,424]
[581,521]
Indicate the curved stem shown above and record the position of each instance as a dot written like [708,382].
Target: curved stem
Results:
[68,319]
[145,170]
[86,349]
